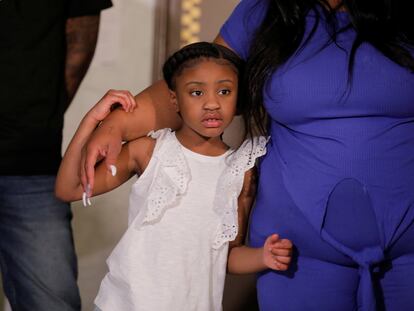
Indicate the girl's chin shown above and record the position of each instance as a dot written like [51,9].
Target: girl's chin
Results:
[211,132]
[206,133]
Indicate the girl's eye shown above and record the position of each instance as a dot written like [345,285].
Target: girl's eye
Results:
[224,92]
[196,93]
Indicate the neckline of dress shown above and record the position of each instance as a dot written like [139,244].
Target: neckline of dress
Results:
[200,156]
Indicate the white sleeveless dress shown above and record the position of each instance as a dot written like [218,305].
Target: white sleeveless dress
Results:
[182,214]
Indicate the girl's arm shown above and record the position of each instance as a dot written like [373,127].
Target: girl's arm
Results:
[133,157]
[275,253]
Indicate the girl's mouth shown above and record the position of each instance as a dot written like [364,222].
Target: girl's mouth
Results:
[212,122]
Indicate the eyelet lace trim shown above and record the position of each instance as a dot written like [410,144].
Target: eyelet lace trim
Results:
[173,175]
[230,185]
[171,179]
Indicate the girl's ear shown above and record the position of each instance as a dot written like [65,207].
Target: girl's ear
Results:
[173,100]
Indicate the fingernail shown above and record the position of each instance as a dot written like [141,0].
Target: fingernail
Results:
[84,199]
[113,169]
[88,190]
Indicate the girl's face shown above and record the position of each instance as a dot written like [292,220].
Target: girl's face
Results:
[206,96]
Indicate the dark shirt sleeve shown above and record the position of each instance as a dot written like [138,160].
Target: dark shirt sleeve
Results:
[78,8]
[240,27]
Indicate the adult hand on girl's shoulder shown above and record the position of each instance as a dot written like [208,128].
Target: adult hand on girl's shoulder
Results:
[277,253]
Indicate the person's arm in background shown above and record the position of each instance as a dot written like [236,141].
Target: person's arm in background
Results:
[154,111]
[81,37]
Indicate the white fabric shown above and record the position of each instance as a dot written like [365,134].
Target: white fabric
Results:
[173,255]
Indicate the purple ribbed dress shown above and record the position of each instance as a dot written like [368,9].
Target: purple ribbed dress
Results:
[338,177]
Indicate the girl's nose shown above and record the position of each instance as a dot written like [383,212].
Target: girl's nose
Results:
[211,103]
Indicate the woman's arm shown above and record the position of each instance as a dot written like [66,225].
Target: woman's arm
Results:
[154,111]
[133,157]
[275,253]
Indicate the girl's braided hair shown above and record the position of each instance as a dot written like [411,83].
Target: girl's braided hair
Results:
[192,54]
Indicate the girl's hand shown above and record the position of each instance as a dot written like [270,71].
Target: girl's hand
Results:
[277,253]
[111,99]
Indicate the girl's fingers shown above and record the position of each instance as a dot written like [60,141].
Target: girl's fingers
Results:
[277,265]
[281,248]
[283,243]
[271,240]
[274,238]
[281,251]
[283,259]
[281,267]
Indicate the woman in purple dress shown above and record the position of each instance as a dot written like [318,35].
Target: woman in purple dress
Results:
[335,81]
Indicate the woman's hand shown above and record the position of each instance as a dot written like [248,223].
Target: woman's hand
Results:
[111,100]
[106,140]
[277,253]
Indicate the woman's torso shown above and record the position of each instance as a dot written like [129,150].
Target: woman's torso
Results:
[327,137]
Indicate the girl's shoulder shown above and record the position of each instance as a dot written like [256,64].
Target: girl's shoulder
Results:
[245,158]
[161,134]
[144,148]
[162,139]
[143,143]
[250,150]
[152,140]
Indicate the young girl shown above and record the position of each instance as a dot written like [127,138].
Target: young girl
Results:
[192,199]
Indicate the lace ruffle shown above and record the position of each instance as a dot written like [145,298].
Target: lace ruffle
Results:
[173,175]
[171,178]
[230,185]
